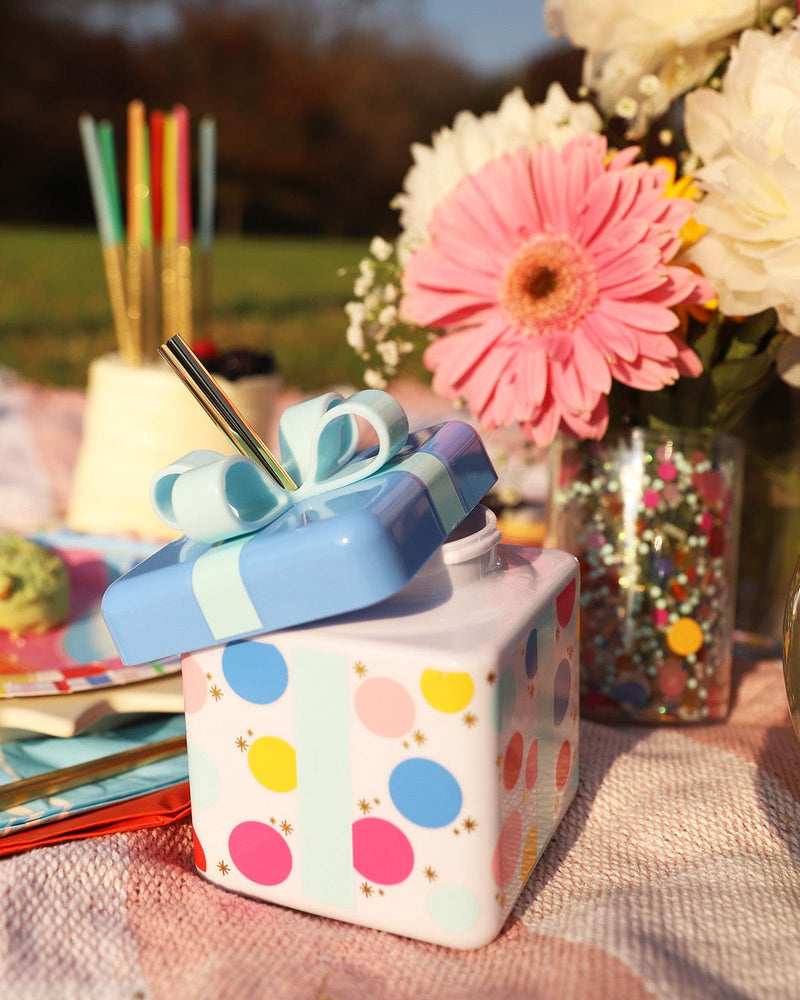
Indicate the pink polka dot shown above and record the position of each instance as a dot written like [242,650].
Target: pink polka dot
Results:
[650,498]
[195,686]
[507,848]
[512,764]
[381,852]
[260,853]
[563,764]
[565,602]
[384,706]
[532,765]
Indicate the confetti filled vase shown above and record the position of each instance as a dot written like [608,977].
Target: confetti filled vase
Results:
[653,518]
[791,648]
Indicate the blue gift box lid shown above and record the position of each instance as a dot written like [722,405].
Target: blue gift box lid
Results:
[256,558]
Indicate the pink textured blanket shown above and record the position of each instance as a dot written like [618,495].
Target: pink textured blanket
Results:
[676,874]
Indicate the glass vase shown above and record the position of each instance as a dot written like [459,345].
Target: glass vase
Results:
[653,518]
[791,648]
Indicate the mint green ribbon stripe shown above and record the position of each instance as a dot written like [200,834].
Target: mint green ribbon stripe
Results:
[436,478]
[546,768]
[220,591]
[324,794]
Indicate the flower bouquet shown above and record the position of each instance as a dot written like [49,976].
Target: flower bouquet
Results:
[562,274]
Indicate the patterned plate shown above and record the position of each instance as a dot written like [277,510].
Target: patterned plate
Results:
[78,656]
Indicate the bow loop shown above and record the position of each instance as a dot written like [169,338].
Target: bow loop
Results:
[211,497]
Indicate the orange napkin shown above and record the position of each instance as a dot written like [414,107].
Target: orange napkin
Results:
[153,809]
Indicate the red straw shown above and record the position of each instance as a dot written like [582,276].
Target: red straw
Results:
[157,172]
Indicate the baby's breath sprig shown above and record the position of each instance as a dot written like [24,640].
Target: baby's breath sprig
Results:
[376,330]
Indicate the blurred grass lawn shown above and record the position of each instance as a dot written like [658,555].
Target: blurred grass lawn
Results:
[283,295]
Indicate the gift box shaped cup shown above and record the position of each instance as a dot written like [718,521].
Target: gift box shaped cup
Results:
[381,699]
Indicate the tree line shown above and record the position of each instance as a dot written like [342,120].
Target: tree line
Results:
[313,133]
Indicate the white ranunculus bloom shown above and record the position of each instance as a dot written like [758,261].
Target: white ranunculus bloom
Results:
[747,138]
[472,142]
[680,42]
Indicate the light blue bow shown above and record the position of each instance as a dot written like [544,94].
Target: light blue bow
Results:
[211,497]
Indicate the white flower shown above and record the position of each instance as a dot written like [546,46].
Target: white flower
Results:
[474,141]
[388,316]
[373,379]
[355,337]
[747,136]
[680,42]
[380,248]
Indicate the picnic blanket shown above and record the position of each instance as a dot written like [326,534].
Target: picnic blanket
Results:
[675,874]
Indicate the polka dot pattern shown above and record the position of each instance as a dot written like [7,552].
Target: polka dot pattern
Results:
[381,851]
[384,707]
[260,853]
[256,671]
[273,763]
[425,792]
[422,823]
[447,691]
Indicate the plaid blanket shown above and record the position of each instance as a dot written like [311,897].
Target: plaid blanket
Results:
[675,874]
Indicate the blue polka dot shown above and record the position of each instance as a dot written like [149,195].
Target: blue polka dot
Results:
[504,698]
[256,671]
[561,688]
[532,655]
[425,792]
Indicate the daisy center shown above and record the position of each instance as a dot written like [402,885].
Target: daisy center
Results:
[551,282]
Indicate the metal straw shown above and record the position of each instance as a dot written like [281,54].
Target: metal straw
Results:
[41,786]
[216,404]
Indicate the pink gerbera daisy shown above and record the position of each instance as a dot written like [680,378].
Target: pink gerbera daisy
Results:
[548,272]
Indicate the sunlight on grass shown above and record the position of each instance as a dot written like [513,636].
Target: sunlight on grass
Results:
[283,295]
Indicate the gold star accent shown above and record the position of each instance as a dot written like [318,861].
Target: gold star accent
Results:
[558,631]
[223,867]
[359,668]
[491,677]
[272,820]
[286,827]
[470,718]
[470,824]
[364,806]
[419,737]
[381,892]
[250,732]
[499,760]
[241,743]
[216,692]
[430,873]
[570,650]
[377,801]
[456,831]
[405,744]
[366,889]
[209,676]
[531,689]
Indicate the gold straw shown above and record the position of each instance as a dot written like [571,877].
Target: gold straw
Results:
[217,405]
[53,782]
[115,279]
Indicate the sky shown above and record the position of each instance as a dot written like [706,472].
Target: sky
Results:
[490,35]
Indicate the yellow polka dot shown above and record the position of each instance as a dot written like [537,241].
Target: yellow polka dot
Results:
[529,853]
[447,691]
[273,763]
[685,637]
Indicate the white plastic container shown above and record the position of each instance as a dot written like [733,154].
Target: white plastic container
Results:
[402,767]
